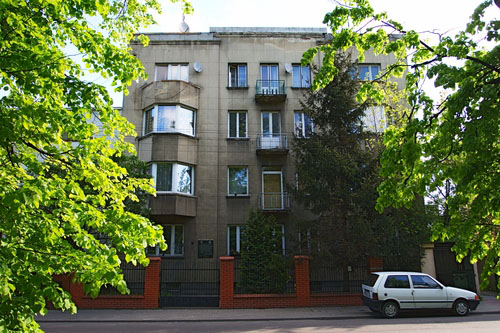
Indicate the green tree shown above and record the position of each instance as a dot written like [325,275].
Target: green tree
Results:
[263,266]
[454,140]
[337,169]
[58,180]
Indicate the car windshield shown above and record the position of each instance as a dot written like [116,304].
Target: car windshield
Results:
[371,280]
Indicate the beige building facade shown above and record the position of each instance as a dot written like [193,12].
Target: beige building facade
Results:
[215,120]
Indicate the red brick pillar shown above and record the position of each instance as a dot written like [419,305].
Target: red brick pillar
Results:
[303,291]
[152,283]
[226,282]
[375,264]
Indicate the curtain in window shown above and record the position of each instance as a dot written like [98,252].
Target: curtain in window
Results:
[164,177]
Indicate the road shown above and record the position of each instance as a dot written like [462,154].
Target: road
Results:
[474,322]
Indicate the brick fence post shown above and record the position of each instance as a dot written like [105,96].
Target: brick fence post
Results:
[375,264]
[303,290]
[226,282]
[152,283]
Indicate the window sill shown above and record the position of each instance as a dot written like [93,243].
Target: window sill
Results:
[194,137]
[238,196]
[237,88]
[175,193]
[300,88]
[238,139]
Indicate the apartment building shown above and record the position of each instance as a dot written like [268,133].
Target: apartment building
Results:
[215,120]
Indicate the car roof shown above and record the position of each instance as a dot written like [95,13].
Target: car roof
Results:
[398,272]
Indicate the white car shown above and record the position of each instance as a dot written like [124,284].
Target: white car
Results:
[390,292]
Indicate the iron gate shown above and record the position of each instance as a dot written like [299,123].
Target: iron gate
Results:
[189,283]
[449,271]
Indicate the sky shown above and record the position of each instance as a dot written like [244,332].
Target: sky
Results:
[422,15]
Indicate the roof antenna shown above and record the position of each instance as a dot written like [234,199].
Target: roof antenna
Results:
[183,27]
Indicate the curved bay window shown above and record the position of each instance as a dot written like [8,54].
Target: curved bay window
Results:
[173,177]
[169,119]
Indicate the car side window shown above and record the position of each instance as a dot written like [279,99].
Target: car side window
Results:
[422,281]
[397,281]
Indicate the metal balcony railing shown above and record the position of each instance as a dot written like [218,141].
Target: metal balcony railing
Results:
[272,141]
[270,87]
[274,201]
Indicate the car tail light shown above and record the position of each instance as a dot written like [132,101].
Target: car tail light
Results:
[476,298]
[375,296]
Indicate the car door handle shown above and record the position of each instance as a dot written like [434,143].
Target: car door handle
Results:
[412,292]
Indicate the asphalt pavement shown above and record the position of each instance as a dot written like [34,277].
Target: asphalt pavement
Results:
[489,304]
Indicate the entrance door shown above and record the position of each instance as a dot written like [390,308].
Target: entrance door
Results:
[270,130]
[272,186]
[269,79]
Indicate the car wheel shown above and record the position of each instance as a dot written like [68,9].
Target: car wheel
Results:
[461,307]
[390,309]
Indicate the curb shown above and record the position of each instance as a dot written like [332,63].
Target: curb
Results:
[368,315]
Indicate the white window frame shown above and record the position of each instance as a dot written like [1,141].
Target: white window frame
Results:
[181,68]
[369,78]
[237,65]
[303,133]
[228,180]
[154,113]
[175,180]
[306,85]
[237,124]
[170,248]
[238,238]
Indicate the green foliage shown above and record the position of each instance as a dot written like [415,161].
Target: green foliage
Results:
[263,266]
[58,178]
[338,170]
[454,140]
[135,168]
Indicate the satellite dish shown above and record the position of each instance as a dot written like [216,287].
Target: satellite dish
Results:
[197,67]
[288,68]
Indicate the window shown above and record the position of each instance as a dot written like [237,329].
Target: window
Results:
[173,177]
[397,281]
[301,76]
[234,233]
[303,125]
[374,119]
[169,119]
[174,237]
[237,180]
[237,75]
[172,72]
[422,281]
[368,72]
[237,124]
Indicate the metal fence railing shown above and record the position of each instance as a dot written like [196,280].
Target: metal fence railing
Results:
[328,278]
[133,275]
[189,283]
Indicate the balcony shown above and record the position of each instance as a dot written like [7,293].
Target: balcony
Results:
[173,204]
[272,144]
[170,92]
[270,91]
[274,201]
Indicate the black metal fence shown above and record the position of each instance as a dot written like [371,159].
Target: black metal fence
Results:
[189,283]
[328,278]
[133,275]
[288,288]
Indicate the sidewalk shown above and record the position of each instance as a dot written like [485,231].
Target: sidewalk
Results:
[489,304]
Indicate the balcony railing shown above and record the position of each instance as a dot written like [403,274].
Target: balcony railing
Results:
[274,201]
[272,142]
[270,91]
